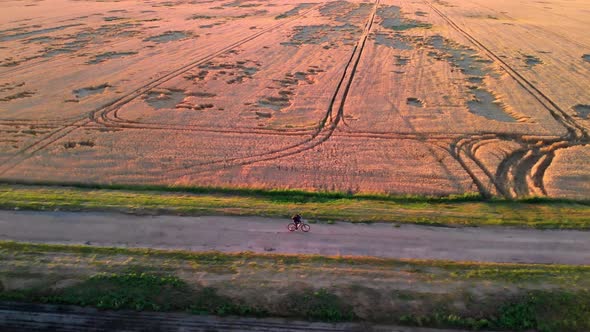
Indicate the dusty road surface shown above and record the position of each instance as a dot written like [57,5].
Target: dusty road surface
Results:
[19,317]
[231,234]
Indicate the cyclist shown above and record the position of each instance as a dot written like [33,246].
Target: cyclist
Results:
[297,220]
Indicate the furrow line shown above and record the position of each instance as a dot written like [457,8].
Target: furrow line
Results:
[455,150]
[575,130]
[327,126]
[39,145]
[103,111]
[512,173]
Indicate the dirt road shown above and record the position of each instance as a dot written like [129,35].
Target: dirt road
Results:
[231,234]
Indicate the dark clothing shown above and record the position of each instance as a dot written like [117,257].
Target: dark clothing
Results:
[297,219]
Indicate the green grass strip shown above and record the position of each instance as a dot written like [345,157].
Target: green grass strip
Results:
[480,270]
[464,210]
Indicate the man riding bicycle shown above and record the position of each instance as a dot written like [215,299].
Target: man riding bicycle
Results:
[297,220]
[298,224]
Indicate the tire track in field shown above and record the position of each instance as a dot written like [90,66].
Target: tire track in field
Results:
[574,129]
[107,115]
[421,137]
[220,130]
[125,124]
[102,112]
[39,145]
[522,172]
[456,148]
[328,125]
[29,122]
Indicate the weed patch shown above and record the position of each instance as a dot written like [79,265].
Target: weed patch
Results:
[137,291]
[544,311]
[318,305]
[547,312]
[126,291]
[208,301]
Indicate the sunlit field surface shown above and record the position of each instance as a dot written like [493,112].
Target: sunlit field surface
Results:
[385,96]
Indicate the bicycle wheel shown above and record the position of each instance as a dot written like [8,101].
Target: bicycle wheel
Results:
[305,227]
[291,227]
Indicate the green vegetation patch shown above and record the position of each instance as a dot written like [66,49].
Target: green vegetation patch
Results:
[318,305]
[547,311]
[543,311]
[138,291]
[141,292]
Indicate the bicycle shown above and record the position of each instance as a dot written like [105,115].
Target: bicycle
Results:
[302,225]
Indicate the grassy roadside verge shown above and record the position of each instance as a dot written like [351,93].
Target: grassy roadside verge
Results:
[411,292]
[465,210]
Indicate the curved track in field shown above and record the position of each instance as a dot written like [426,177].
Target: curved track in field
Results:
[107,115]
[521,173]
[333,116]
[104,112]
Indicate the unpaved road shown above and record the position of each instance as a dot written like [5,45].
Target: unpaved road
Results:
[231,234]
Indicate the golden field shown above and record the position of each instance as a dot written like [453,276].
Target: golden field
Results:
[385,96]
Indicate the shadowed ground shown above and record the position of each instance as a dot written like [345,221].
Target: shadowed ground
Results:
[17,317]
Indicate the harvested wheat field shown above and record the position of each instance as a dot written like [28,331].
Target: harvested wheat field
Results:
[384,96]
